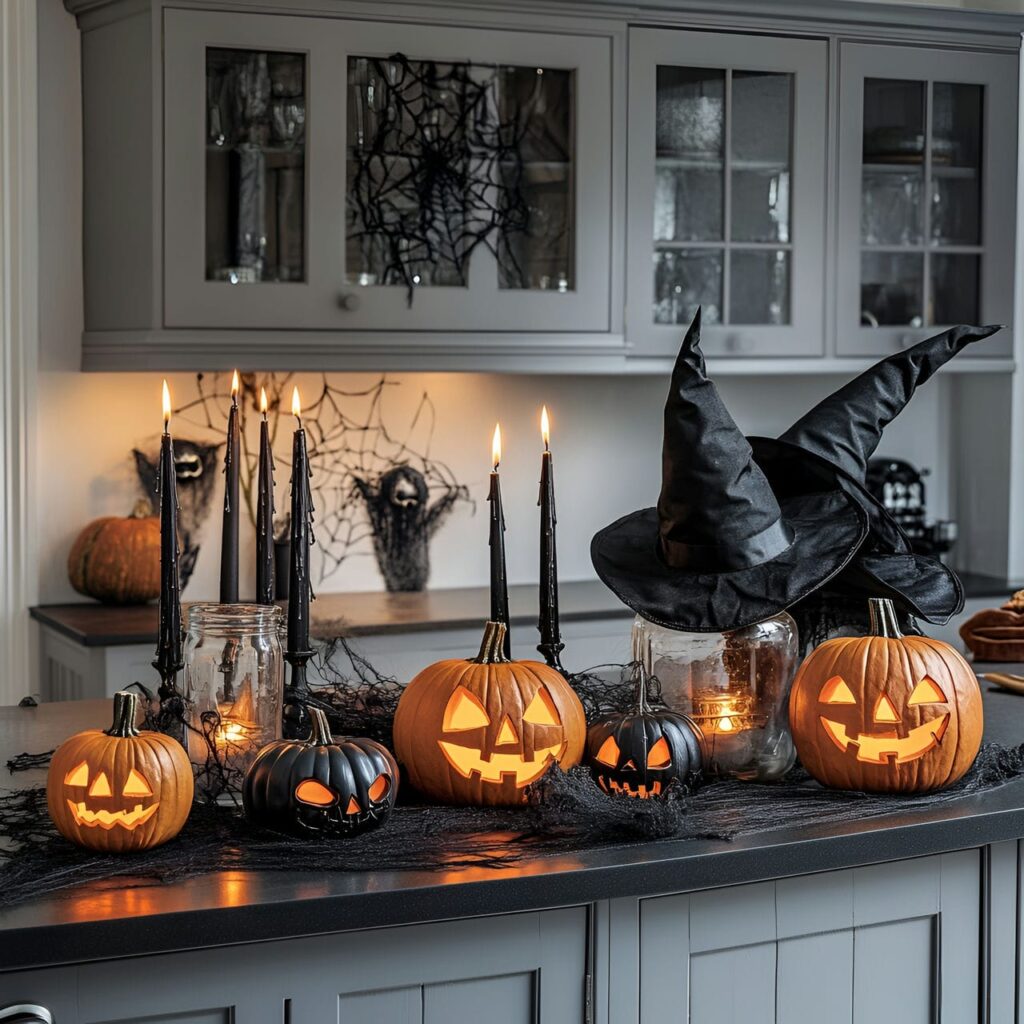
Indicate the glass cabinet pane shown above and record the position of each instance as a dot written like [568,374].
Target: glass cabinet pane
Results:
[760,139]
[920,196]
[445,158]
[255,166]
[722,187]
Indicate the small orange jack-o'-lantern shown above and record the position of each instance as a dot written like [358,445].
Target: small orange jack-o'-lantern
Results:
[122,789]
[886,712]
[480,731]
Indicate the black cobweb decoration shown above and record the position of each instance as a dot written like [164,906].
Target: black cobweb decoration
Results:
[351,451]
[437,168]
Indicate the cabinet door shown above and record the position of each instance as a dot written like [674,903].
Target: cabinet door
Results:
[340,175]
[887,942]
[927,195]
[516,969]
[727,143]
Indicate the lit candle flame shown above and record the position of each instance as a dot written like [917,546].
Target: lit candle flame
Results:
[725,725]
[263,401]
[545,427]
[296,404]
[167,405]
[234,385]
[496,446]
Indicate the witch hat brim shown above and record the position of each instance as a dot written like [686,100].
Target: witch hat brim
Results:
[834,442]
[721,551]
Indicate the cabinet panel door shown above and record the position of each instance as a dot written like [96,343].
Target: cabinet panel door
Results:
[516,969]
[726,205]
[927,195]
[335,186]
[846,947]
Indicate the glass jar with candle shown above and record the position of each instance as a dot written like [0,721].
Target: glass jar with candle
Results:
[735,686]
[234,681]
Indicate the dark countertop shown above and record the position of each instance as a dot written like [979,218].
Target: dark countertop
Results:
[102,922]
[370,613]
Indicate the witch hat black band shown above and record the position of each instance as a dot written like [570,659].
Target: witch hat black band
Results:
[721,550]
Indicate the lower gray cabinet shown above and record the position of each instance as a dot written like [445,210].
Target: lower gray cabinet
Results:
[898,940]
[513,969]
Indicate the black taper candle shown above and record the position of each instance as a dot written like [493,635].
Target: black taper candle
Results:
[265,513]
[168,660]
[298,651]
[499,572]
[229,529]
[550,645]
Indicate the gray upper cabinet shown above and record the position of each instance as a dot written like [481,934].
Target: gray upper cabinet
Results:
[348,175]
[726,194]
[927,195]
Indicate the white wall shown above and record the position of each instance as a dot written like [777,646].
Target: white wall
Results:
[606,431]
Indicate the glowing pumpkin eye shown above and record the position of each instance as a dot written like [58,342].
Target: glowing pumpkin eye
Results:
[659,756]
[609,753]
[927,692]
[463,712]
[101,787]
[309,791]
[78,776]
[379,789]
[835,691]
[136,785]
[541,710]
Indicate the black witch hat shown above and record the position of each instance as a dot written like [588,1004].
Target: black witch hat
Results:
[834,441]
[720,551]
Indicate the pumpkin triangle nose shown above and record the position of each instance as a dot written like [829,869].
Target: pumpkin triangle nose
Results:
[884,711]
[506,734]
[353,806]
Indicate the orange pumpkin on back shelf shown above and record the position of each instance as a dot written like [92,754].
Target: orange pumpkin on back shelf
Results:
[997,634]
[886,712]
[479,731]
[117,559]
[120,790]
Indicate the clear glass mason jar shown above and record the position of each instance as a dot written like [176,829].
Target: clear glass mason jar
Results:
[735,686]
[234,682]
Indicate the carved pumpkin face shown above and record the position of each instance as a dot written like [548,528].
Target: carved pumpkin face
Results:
[122,789]
[323,787]
[480,731]
[886,712]
[643,753]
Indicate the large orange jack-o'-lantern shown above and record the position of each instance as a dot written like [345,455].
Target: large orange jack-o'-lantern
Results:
[122,789]
[886,712]
[480,731]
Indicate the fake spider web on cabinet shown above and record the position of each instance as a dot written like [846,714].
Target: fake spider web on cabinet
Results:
[373,486]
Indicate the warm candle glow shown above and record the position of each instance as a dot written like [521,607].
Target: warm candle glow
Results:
[296,404]
[263,401]
[545,426]
[234,385]
[496,446]
[725,725]
[167,404]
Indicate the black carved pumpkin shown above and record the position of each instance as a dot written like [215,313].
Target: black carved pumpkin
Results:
[322,786]
[642,753]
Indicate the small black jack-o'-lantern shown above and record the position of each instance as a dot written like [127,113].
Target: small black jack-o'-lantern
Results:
[643,753]
[321,787]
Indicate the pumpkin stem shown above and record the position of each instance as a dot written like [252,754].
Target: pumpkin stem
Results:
[321,732]
[126,709]
[143,509]
[492,648]
[643,656]
[883,618]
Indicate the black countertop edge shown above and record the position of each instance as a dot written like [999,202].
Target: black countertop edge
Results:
[635,871]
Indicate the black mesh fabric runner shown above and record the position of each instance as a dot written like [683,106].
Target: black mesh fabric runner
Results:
[568,815]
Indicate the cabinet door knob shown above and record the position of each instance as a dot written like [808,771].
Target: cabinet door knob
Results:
[25,1013]
[348,302]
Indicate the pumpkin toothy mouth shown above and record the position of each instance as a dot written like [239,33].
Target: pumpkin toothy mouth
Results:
[108,819]
[466,760]
[880,748]
[625,789]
